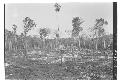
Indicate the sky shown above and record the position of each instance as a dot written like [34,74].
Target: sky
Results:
[44,15]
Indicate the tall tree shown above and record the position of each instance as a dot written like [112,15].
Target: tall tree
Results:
[76,23]
[43,34]
[57,9]
[99,29]
[8,39]
[14,27]
[28,25]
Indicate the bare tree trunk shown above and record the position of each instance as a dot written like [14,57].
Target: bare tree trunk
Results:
[9,45]
[93,46]
[104,44]
[44,44]
[97,44]
[25,47]
[79,44]
[74,60]
[61,59]
[43,41]
[84,44]
[89,45]
[61,54]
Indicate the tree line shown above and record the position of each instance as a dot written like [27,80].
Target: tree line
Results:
[98,40]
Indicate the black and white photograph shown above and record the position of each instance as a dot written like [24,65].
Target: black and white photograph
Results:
[60,41]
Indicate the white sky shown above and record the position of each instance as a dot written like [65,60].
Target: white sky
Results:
[45,16]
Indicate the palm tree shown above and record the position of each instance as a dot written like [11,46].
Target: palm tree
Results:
[57,9]
[76,23]
[99,29]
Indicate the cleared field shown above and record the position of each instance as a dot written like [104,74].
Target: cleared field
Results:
[94,67]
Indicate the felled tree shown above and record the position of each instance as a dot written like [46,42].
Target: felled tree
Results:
[28,25]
